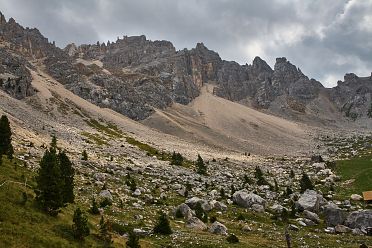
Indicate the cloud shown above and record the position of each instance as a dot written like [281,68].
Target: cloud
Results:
[325,38]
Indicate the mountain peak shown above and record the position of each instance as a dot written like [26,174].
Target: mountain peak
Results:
[2,18]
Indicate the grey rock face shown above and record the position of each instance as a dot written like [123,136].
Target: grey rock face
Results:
[353,96]
[15,79]
[311,200]
[359,219]
[246,200]
[218,228]
[334,215]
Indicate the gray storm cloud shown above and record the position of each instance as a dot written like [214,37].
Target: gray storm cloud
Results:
[325,38]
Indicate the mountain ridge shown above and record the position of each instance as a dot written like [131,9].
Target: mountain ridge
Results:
[135,76]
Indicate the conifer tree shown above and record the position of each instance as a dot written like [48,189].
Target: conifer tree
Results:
[80,227]
[67,172]
[6,147]
[305,183]
[53,143]
[176,159]
[84,155]
[49,183]
[94,208]
[133,240]
[200,213]
[260,177]
[201,167]
[105,231]
[163,226]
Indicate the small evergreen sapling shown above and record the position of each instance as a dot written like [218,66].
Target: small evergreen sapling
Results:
[162,226]
[133,240]
[94,208]
[305,183]
[6,147]
[80,227]
[84,155]
[201,168]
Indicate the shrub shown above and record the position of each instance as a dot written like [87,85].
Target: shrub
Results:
[80,227]
[162,226]
[232,239]
[305,183]
[133,240]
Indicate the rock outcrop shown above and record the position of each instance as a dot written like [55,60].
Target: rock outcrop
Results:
[134,76]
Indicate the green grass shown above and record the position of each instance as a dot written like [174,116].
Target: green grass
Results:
[151,151]
[109,129]
[94,138]
[357,169]
[26,225]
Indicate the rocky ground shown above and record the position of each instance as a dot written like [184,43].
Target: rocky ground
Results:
[255,213]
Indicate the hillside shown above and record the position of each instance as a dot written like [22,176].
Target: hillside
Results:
[222,149]
[228,125]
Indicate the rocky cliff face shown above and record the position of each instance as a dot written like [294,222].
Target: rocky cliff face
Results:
[134,75]
[353,96]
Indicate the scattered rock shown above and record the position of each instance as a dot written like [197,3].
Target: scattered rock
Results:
[218,228]
[185,210]
[244,199]
[246,228]
[359,219]
[311,200]
[356,197]
[333,215]
[196,224]
[342,229]
[312,216]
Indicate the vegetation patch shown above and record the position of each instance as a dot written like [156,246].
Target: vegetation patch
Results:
[356,174]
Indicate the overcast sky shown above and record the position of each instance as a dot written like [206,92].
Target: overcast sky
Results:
[325,38]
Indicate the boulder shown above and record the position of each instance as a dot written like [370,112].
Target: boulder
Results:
[218,205]
[312,216]
[246,200]
[333,215]
[356,197]
[218,228]
[140,232]
[311,200]
[342,229]
[246,228]
[359,219]
[137,192]
[105,194]
[192,202]
[185,210]
[196,224]
[258,208]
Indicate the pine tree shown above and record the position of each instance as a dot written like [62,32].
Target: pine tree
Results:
[201,167]
[6,147]
[49,183]
[133,240]
[105,232]
[80,227]
[84,155]
[163,226]
[176,159]
[67,172]
[260,177]
[53,143]
[200,213]
[305,183]
[94,208]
